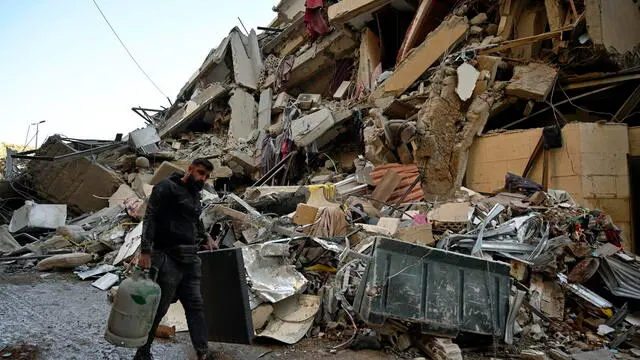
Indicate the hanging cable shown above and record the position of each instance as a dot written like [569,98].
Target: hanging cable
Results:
[129,52]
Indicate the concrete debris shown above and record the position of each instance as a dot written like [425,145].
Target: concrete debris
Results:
[340,156]
[38,216]
[309,128]
[533,81]
[244,115]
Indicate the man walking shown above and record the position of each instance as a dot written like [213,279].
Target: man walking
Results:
[172,232]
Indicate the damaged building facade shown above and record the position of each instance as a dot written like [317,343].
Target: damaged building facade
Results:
[363,148]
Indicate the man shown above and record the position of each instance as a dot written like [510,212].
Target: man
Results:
[170,240]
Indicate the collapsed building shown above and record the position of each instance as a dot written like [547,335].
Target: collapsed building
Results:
[388,143]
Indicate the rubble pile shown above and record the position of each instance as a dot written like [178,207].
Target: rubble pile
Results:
[341,151]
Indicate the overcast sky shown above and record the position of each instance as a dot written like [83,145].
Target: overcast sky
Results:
[61,63]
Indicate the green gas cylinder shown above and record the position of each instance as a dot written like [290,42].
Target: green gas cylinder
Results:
[133,310]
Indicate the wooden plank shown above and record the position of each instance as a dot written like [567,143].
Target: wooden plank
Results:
[383,190]
[545,169]
[573,8]
[510,11]
[531,22]
[556,14]
[598,82]
[628,106]
[342,91]
[346,10]
[435,45]
[524,41]
[534,155]
[370,55]
[419,20]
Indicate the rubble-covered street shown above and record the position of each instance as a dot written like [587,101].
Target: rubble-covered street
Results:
[406,179]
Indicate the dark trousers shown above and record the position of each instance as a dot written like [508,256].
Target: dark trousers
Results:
[181,282]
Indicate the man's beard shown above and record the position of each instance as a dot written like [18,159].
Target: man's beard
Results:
[195,184]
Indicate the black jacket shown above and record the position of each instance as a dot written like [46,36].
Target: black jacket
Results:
[173,216]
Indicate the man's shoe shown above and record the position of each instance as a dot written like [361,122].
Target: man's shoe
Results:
[143,355]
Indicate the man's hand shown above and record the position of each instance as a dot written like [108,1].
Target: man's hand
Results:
[144,261]
[211,244]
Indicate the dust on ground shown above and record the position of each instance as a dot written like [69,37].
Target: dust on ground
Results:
[55,316]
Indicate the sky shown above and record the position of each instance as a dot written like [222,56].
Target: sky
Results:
[60,62]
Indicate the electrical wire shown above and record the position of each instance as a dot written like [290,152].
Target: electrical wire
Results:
[129,52]
[581,108]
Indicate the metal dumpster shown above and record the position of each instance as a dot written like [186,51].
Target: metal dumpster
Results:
[444,292]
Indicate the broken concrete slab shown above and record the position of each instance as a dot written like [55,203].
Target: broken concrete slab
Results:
[320,56]
[254,52]
[307,101]
[309,128]
[244,115]
[123,193]
[264,113]
[64,261]
[38,216]
[242,163]
[264,109]
[165,170]
[467,79]
[244,70]
[443,38]
[282,100]
[533,81]
[82,184]
[614,26]
[181,118]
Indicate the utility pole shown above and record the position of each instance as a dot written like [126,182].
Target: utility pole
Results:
[37,124]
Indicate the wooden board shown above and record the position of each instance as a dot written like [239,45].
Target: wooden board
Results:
[385,188]
[439,41]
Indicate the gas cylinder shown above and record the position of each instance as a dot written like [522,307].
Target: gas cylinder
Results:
[133,310]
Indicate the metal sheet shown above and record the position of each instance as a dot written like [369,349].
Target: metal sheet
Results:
[444,292]
[621,278]
[272,278]
[143,137]
[226,296]
[585,293]
[106,281]
[83,275]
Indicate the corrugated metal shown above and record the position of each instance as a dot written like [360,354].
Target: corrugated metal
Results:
[408,172]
